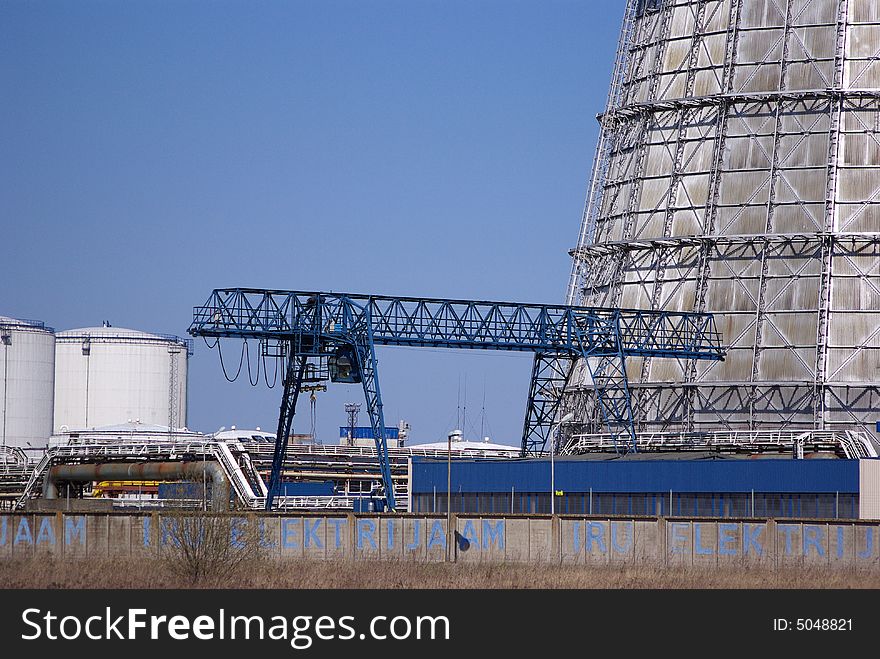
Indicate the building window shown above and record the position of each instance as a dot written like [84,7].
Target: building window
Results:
[829,505]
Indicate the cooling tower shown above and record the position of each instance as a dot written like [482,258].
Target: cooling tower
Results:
[738,173]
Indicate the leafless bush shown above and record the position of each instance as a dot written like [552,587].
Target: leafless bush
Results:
[205,550]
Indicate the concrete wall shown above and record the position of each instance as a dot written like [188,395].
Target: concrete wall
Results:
[560,539]
[869,489]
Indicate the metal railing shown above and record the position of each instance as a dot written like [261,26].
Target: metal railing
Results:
[120,337]
[852,444]
[370,451]
[222,452]
[247,484]
[320,502]
[12,458]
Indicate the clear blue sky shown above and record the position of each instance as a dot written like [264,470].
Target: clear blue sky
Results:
[153,151]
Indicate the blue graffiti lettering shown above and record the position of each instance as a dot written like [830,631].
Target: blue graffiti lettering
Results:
[288,533]
[416,541]
[265,541]
[679,540]
[366,529]
[4,522]
[75,527]
[576,537]
[596,531]
[811,539]
[168,528]
[438,536]
[839,542]
[698,542]
[389,524]
[750,539]
[869,543]
[46,533]
[145,531]
[493,536]
[615,545]
[23,534]
[787,529]
[236,532]
[726,539]
[337,522]
[469,533]
[310,533]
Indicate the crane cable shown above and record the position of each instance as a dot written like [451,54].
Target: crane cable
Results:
[313,400]
[223,366]
[266,373]
[245,357]
[253,382]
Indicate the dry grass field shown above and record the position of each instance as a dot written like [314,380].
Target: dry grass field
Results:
[128,573]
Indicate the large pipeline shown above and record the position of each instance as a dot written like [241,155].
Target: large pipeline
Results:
[142,471]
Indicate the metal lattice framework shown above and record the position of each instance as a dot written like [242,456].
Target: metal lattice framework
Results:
[737,174]
[306,326]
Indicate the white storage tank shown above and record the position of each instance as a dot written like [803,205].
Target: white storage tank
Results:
[27,382]
[110,375]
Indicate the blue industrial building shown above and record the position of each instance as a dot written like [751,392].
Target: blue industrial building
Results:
[366,432]
[812,488]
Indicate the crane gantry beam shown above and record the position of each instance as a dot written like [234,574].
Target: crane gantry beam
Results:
[347,327]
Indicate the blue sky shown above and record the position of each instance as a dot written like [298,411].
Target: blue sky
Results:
[153,151]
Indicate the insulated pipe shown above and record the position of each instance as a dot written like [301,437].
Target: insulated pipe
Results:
[142,471]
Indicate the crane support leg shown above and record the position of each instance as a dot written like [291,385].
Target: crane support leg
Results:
[613,396]
[293,377]
[550,374]
[368,365]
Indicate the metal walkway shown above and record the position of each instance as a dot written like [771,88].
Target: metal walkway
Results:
[241,463]
[233,458]
[850,444]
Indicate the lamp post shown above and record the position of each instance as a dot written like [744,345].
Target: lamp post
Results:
[568,417]
[449,533]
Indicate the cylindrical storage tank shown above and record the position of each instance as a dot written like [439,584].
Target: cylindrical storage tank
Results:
[738,173]
[110,375]
[27,382]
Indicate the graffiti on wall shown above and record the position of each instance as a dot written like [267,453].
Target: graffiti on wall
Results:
[496,538]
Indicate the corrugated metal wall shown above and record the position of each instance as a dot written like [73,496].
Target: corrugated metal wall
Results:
[366,432]
[575,475]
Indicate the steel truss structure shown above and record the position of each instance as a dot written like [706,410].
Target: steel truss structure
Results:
[737,174]
[245,482]
[847,444]
[243,463]
[307,327]
[14,473]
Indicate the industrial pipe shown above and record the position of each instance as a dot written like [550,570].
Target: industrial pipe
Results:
[142,471]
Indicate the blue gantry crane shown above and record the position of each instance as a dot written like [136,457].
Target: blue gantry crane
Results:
[341,330]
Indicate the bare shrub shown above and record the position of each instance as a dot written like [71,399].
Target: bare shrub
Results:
[205,550]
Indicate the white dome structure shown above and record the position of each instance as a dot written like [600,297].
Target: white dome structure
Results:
[111,375]
[27,382]
[461,446]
